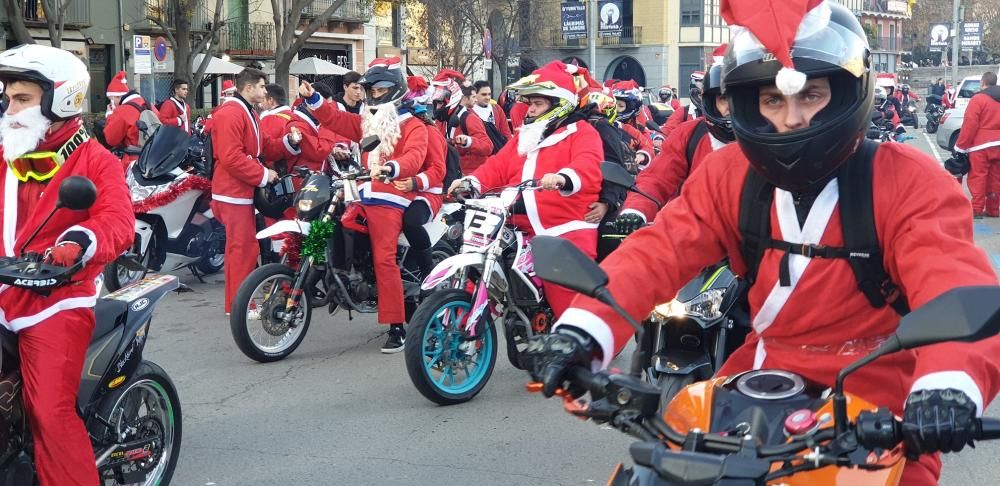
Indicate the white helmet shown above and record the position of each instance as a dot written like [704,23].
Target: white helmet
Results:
[63,77]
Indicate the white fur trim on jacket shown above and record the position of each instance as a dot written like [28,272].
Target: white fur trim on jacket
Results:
[233,200]
[958,380]
[422,181]
[574,179]
[394,172]
[89,251]
[594,326]
[21,323]
[289,147]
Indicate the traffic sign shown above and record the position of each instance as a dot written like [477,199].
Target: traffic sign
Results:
[160,49]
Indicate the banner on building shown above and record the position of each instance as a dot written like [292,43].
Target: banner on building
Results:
[972,35]
[940,35]
[610,18]
[142,51]
[574,20]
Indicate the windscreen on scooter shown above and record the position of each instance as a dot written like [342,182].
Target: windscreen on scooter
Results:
[164,152]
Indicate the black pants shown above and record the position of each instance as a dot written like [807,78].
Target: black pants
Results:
[414,218]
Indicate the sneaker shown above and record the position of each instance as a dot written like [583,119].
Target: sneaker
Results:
[395,340]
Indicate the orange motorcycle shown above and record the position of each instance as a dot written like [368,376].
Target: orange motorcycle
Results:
[761,427]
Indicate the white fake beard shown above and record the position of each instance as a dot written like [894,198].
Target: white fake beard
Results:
[32,126]
[529,136]
[383,123]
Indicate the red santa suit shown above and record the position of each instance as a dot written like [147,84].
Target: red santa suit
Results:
[316,143]
[668,171]
[922,219]
[430,179]
[174,112]
[980,138]
[121,130]
[575,151]
[274,126]
[382,202]
[55,330]
[478,146]
[517,114]
[676,118]
[641,143]
[236,146]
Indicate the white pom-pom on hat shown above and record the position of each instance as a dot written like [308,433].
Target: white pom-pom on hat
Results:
[571,68]
[789,81]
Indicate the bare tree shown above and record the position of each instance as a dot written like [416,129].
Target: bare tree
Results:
[288,19]
[55,16]
[454,30]
[15,15]
[175,17]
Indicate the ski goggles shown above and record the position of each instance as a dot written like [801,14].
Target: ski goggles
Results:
[40,166]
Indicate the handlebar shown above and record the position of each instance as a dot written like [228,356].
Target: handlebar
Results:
[30,272]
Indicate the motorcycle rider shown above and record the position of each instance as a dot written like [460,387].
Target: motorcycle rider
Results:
[174,111]
[126,106]
[667,173]
[44,142]
[560,148]
[629,105]
[808,314]
[401,154]
[693,109]
[237,148]
[979,141]
[450,101]
[666,105]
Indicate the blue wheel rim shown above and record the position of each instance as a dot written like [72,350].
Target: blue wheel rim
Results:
[447,362]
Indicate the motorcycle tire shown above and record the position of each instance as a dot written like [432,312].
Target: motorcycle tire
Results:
[116,276]
[215,259]
[151,379]
[931,126]
[670,386]
[425,334]
[240,308]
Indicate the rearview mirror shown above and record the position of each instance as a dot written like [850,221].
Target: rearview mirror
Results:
[963,314]
[617,175]
[369,143]
[77,193]
[560,262]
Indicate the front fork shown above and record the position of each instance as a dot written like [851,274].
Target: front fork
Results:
[481,296]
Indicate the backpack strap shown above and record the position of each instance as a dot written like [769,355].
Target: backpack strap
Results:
[755,221]
[135,105]
[462,121]
[860,234]
[692,146]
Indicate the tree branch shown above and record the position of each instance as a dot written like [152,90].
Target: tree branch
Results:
[313,26]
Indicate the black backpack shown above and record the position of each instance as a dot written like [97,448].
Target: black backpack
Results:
[453,166]
[862,250]
[491,131]
[699,133]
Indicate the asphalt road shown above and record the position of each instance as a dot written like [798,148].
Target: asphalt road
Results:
[338,412]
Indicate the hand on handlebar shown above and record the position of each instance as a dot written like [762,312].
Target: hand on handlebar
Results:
[938,421]
[553,181]
[459,185]
[628,223]
[550,356]
[65,254]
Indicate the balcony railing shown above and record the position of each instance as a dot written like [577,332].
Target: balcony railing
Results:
[248,40]
[78,13]
[166,12]
[891,44]
[553,39]
[629,37]
[350,11]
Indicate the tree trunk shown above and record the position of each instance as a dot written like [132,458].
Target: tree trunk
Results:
[287,44]
[16,18]
[281,74]
[182,50]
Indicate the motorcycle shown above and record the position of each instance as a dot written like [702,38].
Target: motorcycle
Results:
[273,307]
[453,331]
[174,225]
[934,111]
[129,405]
[909,114]
[760,426]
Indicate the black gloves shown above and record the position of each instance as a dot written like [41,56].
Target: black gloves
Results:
[938,421]
[551,355]
[627,223]
[958,164]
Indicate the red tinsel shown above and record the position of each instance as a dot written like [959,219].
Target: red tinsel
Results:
[191,183]
[293,248]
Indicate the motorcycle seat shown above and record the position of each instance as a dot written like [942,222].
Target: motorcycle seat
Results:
[108,314]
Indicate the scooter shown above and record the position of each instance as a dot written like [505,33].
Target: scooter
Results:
[129,405]
[174,226]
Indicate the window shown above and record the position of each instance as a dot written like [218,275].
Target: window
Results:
[690,60]
[691,12]
[892,37]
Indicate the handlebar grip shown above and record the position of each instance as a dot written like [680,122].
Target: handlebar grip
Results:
[988,429]
[595,383]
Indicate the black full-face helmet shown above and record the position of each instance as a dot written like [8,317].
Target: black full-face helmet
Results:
[719,125]
[829,43]
[384,73]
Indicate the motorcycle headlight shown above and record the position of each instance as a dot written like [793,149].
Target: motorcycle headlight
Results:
[707,305]
[305,205]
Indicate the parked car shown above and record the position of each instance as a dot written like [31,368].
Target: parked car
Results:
[951,123]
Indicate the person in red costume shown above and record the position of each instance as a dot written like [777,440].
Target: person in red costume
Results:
[275,116]
[813,111]
[691,110]
[466,133]
[44,142]
[400,155]
[629,105]
[979,141]
[237,147]
[174,111]
[517,114]
[560,148]
[668,171]
[121,130]
[488,110]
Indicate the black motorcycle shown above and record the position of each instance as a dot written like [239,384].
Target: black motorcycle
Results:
[934,111]
[129,405]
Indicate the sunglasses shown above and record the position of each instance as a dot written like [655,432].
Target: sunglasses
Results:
[40,166]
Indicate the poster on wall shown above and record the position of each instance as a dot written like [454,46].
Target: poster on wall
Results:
[940,35]
[610,18]
[574,20]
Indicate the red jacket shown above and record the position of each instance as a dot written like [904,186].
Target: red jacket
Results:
[236,145]
[981,125]
[500,120]
[174,112]
[109,224]
[575,151]
[641,143]
[407,157]
[679,116]
[316,144]
[923,220]
[274,126]
[479,146]
[663,177]
[430,179]
[517,114]
[120,130]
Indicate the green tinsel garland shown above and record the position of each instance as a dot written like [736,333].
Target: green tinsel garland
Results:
[315,243]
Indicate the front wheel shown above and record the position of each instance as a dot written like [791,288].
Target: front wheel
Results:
[143,417]
[931,126]
[215,253]
[446,364]
[263,328]
[670,386]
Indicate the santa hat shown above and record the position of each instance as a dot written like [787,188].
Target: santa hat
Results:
[228,87]
[417,84]
[585,83]
[445,75]
[775,25]
[555,79]
[718,54]
[118,85]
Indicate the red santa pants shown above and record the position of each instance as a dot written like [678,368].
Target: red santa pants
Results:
[984,176]
[586,240]
[385,223]
[242,249]
[52,355]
